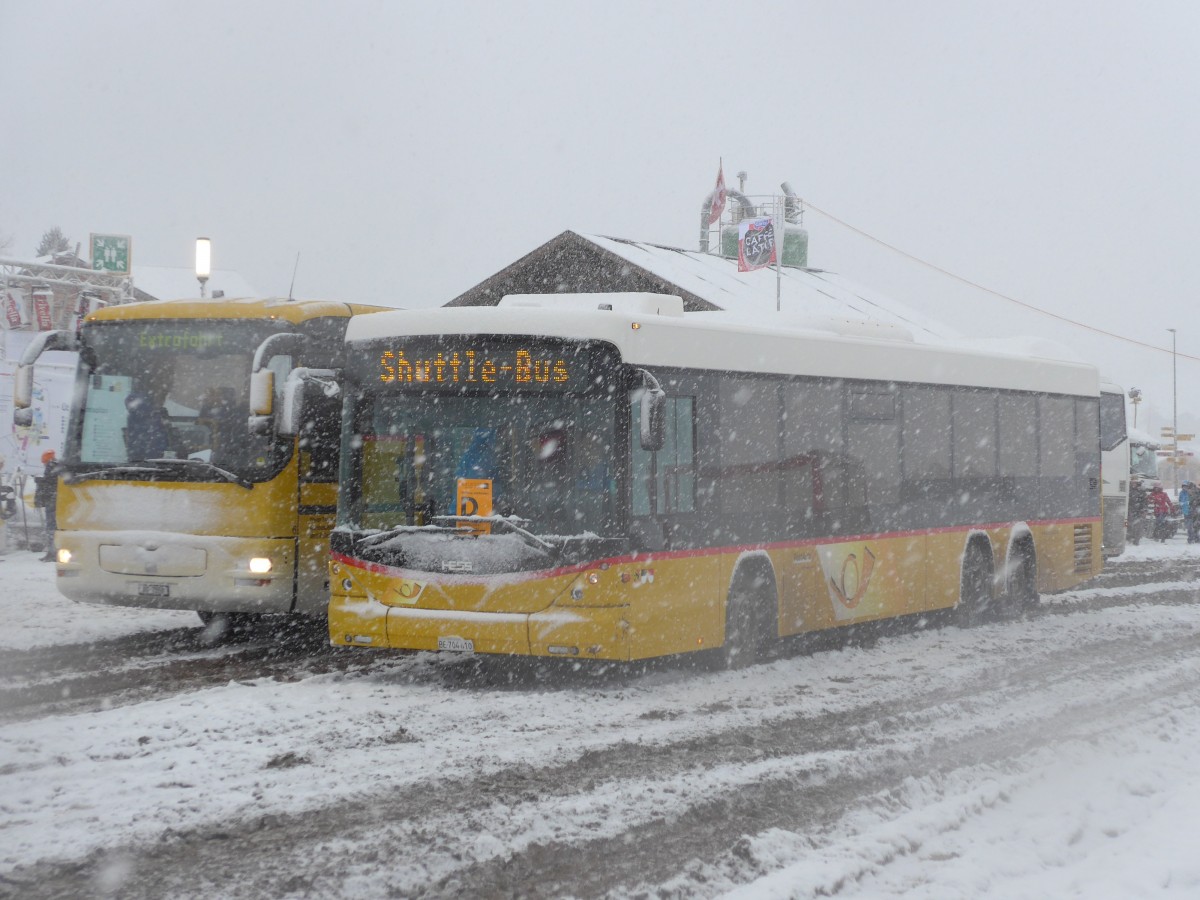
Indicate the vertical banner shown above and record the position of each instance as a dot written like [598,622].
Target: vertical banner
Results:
[41,309]
[756,244]
[13,310]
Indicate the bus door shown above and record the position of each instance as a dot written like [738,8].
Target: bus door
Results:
[317,450]
[680,584]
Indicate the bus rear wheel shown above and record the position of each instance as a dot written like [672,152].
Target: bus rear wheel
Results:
[975,593]
[1022,585]
[750,620]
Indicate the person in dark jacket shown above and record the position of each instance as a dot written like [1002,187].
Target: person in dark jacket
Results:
[1160,504]
[45,498]
[146,427]
[1189,508]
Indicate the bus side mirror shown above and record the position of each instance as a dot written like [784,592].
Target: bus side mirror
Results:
[652,433]
[262,401]
[23,389]
[291,410]
[262,393]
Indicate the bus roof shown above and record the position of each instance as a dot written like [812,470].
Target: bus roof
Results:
[237,308]
[723,341]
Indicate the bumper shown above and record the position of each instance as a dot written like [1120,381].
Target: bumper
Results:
[573,632]
[173,571]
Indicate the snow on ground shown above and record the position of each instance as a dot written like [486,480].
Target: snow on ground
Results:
[34,614]
[1103,816]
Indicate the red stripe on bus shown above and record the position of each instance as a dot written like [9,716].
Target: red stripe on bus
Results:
[707,551]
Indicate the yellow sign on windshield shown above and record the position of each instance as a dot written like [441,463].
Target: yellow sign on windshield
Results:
[475,499]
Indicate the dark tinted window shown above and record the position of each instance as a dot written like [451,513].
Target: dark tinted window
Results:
[1056,416]
[974,414]
[1112,420]
[1018,436]
[926,428]
[873,438]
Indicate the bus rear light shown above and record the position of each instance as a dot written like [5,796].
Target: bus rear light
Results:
[259,565]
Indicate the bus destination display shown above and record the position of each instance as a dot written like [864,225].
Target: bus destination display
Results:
[512,368]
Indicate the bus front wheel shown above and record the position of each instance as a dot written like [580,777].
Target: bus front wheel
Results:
[750,620]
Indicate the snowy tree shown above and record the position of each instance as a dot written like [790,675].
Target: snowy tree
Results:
[53,241]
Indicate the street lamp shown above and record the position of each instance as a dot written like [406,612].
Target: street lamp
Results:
[1174,414]
[203,262]
[1135,397]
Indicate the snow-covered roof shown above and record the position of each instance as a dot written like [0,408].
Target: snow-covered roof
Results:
[802,292]
[179,283]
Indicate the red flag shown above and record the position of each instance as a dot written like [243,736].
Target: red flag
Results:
[718,196]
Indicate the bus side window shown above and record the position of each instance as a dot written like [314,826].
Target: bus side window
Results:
[873,439]
[814,465]
[1087,439]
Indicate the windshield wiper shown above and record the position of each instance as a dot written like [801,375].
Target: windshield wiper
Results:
[231,477]
[108,472]
[378,537]
[509,523]
[143,466]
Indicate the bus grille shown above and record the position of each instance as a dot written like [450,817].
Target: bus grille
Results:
[1083,549]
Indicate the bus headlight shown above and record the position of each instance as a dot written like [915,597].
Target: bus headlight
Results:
[64,555]
[260,565]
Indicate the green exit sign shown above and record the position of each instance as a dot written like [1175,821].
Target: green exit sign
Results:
[111,253]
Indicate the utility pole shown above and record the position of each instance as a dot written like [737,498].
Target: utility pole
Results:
[1174,414]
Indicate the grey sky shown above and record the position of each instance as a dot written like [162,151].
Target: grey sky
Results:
[409,150]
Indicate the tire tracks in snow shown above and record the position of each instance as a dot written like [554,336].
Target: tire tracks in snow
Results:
[792,770]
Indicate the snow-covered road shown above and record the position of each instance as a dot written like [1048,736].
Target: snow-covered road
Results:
[1054,755]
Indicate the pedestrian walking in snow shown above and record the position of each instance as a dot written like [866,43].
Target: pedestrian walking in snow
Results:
[1160,504]
[45,497]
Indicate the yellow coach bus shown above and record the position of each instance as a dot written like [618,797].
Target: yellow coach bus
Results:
[177,490]
[608,477]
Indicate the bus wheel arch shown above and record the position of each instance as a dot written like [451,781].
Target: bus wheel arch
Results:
[751,611]
[976,581]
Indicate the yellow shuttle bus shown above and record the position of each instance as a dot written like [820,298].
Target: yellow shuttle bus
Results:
[608,477]
[177,489]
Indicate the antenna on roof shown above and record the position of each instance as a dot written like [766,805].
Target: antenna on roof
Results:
[292,286]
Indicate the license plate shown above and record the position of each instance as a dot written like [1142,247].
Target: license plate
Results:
[150,589]
[456,645]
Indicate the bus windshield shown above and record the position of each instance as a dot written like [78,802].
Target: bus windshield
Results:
[1112,421]
[549,459]
[1143,461]
[172,390]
